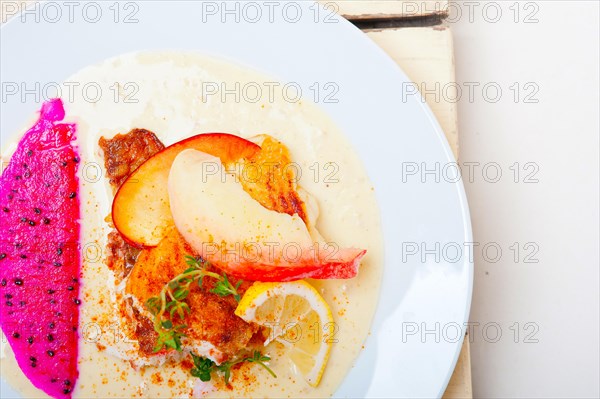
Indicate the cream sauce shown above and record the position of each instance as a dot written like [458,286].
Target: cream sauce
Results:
[172,98]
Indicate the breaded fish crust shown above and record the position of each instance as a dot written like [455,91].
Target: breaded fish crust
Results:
[212,317]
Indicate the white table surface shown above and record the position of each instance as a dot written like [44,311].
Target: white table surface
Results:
[559,214]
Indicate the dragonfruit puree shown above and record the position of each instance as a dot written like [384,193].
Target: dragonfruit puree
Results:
[39,253]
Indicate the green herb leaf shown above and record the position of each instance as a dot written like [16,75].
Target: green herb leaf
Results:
[223,287]
[225,368]
[260,359]
[202,367]
[181,294]
[153,305]
[191,261]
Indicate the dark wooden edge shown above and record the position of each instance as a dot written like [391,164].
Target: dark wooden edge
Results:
[400,22]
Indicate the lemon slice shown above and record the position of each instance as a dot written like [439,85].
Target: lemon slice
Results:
[295,315]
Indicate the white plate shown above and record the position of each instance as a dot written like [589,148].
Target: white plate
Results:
[387,130]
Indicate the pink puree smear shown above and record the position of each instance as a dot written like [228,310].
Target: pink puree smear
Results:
[39,253]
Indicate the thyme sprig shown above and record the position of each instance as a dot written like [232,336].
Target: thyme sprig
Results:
[204,367]
[171,301]
[223,287]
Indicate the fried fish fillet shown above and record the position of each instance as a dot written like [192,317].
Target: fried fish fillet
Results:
[213,330]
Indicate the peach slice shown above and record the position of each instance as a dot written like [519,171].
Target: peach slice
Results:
[226,226]
[141,211]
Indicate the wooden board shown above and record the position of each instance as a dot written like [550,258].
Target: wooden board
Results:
[460,386]
[377,9]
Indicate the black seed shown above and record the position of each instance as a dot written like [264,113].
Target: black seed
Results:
[16,335]
[27,174]
[33,365]
[37,210]
[51,325]
[59,251]
[8,296]
[73,195]
[63,164]
[51,292]
[25,166]
[57,264]
[3,283]
[50,353]
[31,223]
[23,220]
[67,383]
[29,153]
[23,256]
[70,288]
[50,337]
[66,391]
[52,301]
[57,314]
[30,340]
[2,256]
[46,221]
[18,245]
[18,281]
[75,280]
[40,260]
[22,303]
[33,359]
[77,302]
[74,328]
[9,303]
[53,380]
[18,177]
[5,209]
[76,159]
